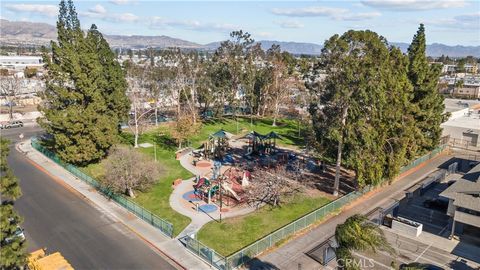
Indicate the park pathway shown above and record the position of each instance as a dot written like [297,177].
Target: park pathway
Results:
[170,249]
[179,204]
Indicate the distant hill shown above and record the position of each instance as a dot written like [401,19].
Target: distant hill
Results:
[291,47]
[29,33]
[437,49]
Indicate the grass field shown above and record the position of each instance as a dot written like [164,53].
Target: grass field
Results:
[235,233]
[287,129]
[157,198]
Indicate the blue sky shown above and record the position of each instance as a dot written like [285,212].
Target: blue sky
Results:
[452,22]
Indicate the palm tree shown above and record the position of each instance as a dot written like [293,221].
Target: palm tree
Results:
[358,234]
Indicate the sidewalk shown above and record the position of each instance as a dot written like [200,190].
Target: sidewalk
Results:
[171,249]
[198,218]
[292,254]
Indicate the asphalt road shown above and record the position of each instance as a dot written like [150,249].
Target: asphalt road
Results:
[60,220]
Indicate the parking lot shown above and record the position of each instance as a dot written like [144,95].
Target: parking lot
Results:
[434,217]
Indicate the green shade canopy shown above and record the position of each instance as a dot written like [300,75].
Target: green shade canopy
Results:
[220,134]
[273,135]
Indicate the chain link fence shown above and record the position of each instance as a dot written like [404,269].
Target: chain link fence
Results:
[164,226]
[251,251]
[423,158]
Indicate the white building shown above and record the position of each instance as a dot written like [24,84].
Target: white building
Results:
[20,62]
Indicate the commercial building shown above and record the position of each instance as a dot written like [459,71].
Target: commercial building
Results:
[18,62]
[463,126]
[468,68]
[462,86]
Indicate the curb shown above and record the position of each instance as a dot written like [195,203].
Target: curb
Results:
[79,194]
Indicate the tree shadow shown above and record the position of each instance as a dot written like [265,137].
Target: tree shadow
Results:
[257,264]
[460,265]
[166,142]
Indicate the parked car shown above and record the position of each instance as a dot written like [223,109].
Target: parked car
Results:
[417,266]
[12,124]
[17,234]
[437,204]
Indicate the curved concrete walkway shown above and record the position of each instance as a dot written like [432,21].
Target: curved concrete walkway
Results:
[179,204]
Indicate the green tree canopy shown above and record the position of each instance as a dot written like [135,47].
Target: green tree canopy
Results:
[358,234]
[9,188]
[362,110]
[12,246]
[430,108]
[85,97]
[12,251]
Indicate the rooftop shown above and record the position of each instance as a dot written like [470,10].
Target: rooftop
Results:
[470,120]
[465,194]
[453,105]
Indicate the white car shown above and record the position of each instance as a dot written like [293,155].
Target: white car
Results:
[17,234]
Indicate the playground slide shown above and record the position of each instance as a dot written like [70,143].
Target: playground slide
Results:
[202,181]
[229,189]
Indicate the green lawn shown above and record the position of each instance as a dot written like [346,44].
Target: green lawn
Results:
[157,198]
[235,233]
[287,129]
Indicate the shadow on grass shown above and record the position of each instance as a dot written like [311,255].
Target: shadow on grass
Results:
[166,142]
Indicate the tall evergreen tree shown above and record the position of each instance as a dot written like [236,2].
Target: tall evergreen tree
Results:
[85,92]
[424,78]
[113,84]
[358,114]
[9,188]
[12,246]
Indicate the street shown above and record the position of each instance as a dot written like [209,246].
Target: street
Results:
[61,220]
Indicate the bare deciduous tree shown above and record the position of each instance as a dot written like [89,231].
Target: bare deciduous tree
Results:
[128,170]
[9,89]
[270,188]
[138,95]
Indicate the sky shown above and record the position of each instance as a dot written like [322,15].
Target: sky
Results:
[451,22]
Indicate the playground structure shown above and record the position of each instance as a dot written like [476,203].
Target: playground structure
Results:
[261,144]
[217,145]
[227,188]
[236,164]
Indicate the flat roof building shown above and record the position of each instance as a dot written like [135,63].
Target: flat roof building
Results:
[20,61]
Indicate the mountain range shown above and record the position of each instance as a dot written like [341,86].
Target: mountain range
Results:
[37,34]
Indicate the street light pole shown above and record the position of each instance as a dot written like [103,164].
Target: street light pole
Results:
[155,150]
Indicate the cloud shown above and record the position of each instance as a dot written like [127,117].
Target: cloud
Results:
[309,11]
[473,18]
[46,10]
[318,11]
[99,9]
[358,16]
[410,5]
[111,17]
[120,2]
[159,22]
[264,34]
[290,24]
[465,22]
